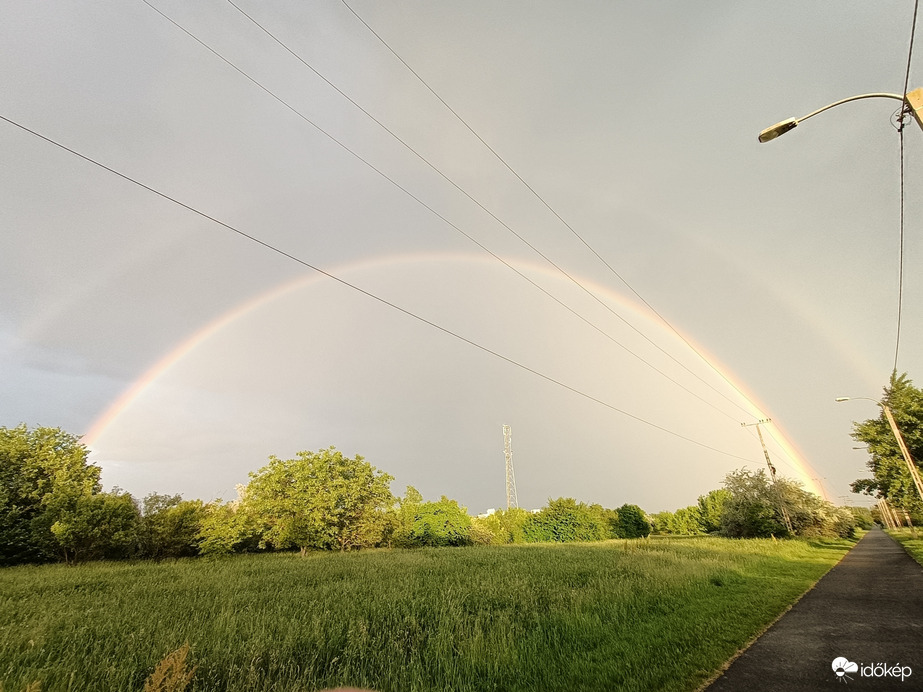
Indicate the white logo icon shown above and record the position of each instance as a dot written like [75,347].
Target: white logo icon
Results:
[841,666]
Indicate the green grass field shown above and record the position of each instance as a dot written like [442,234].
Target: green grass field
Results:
[650,614]
[911,540]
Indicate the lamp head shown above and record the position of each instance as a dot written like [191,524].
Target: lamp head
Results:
[777,130]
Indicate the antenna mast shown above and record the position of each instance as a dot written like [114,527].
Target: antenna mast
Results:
[511,499]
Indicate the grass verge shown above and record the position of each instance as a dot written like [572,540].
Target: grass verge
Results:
[911,540]
[655,614]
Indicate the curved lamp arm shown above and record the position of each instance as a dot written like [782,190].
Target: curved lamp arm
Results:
[781,128]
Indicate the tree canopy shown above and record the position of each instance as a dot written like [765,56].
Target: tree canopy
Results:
[320,500]
[44,476]
[756,506]
[890,477]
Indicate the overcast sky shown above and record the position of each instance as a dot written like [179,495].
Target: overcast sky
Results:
[189,353]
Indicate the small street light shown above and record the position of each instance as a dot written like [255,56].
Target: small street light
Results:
[912,100]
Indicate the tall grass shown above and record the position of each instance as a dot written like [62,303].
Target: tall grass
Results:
[657,614]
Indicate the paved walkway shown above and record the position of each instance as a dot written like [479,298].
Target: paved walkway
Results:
[867,609]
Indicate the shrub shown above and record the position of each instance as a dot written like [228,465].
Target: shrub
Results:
[440,524]
[565,520]
[632,522]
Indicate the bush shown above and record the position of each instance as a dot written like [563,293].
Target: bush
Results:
[862,517]
[170,527]
[441,523]
[686,521]
[757,508]
[632,522]
[565,520]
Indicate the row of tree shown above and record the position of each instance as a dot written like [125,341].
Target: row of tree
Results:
[752,506]
[52,507]
[324,500]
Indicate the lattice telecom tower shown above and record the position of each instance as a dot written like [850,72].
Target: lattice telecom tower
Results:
[511,499]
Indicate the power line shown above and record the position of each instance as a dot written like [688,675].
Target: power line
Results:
[573,279]
[369,294]
[900,133]
[563,221]
[417,199]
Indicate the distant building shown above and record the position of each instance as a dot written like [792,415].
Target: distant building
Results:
[487,513]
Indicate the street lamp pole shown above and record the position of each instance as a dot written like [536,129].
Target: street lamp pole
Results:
[913,103]
[914,472]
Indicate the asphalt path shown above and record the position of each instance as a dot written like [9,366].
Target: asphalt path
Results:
[867,610]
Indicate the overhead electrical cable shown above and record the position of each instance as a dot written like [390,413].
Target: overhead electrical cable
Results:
[547,259]
[541,199]
[454,226]
[900,132]
[254,239]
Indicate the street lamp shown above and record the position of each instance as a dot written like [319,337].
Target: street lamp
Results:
[914,472]
[912,100]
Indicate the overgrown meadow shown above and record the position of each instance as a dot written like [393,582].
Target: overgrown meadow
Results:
[662,613]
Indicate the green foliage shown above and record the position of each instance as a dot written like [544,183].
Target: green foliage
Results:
[440,523]
[756,506]
[711,505]
[503,527]
[512,524]
[754,509]
[320,500]
[564,520]
[662,614]
[686,521]
[90,527]
[632,522]
[403,517]
[42,472]
[863,517]
[169,526]
[812,515]
[228,527]
[890,477]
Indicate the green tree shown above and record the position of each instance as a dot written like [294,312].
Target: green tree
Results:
[503,527]
[662,523]
[512,522]
[564,520]
[93,526]
[441,523]
[890,477]
[711,505]
[229,527]
[403,517]
[36,466]
[169,526]
[754,508]
[632,522]
[320,500]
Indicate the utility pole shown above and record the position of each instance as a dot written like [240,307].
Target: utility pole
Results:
[885,519]
[511,499]
[912,467]
[895,522]
[885,516]
[772,470]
